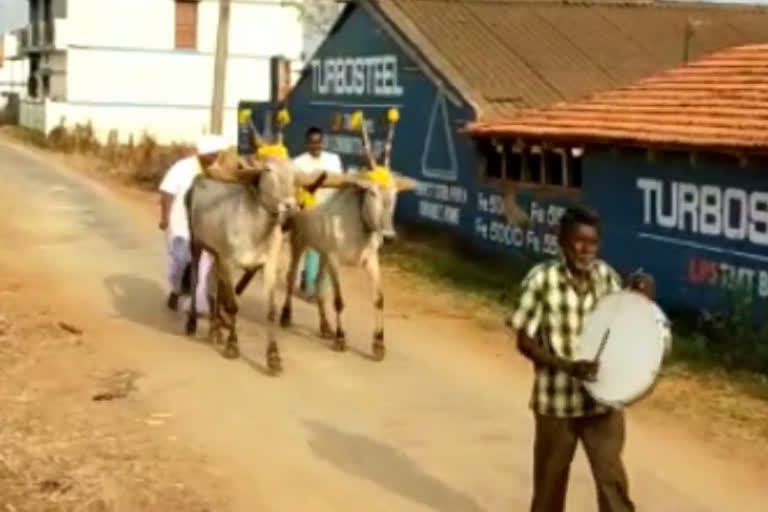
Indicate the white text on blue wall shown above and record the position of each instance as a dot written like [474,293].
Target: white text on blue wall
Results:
[374,75]
[734,213]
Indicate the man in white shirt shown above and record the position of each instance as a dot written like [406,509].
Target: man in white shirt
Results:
[316,159]
[173,219]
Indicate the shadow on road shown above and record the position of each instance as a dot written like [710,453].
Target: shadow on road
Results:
[385,466]
[142,301]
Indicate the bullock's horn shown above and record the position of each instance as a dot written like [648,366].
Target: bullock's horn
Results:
[283,117]
[245,117]
[393,116]
[258,140]
[359,119]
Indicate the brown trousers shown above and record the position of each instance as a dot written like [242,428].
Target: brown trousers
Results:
[555,444]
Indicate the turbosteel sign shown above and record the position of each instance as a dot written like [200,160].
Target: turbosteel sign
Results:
[734,213]
[375,75]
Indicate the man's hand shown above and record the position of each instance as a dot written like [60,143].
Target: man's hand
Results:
[583,369]
[165,209]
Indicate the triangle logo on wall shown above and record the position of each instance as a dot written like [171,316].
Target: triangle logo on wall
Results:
[438,160]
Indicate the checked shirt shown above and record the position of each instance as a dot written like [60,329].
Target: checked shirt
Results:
[551,309]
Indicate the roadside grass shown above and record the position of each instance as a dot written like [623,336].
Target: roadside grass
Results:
[141,163]
[455,266]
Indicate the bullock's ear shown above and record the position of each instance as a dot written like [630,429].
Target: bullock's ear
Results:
[405,184]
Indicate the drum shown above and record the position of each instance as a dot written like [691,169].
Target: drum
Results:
[628,335]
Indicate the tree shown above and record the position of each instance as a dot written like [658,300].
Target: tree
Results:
[318,16]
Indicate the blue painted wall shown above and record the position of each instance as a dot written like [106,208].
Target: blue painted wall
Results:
[702,230]
[427,146]
[695,266]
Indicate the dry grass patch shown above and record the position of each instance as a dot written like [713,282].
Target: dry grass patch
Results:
[75,435]
[141,162]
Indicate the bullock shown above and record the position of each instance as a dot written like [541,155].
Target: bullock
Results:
[240,223]
[348,228]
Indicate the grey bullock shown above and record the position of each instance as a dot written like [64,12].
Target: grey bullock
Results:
[348,228]
[240,225]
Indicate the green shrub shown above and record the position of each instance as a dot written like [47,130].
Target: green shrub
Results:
[733,339]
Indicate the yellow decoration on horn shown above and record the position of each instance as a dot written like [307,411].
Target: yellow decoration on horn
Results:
[244,116]
[283,117]
[273,150]
[357,120]
[393,115]
[381,176]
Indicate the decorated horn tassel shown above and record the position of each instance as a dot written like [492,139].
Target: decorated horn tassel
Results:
[393,116]
[359,120]
[283,118]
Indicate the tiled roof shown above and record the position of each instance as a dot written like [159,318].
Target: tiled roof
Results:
[505,55]
[719,102]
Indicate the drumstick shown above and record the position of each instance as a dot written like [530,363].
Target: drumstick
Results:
[602,344]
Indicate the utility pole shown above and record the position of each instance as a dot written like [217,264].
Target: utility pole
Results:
[220,67]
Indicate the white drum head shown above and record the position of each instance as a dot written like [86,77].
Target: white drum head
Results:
[633,350]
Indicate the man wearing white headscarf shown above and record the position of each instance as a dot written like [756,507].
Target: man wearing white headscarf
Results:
[173,219]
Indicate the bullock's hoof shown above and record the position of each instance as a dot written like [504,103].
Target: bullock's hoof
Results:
[379,351]
[285,318]
[214,338]
[325,330]
[340,342]
[274,363]
[231,351]
[191,327]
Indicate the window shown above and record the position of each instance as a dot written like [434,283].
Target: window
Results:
[493,165]
[186,24]
[532,165]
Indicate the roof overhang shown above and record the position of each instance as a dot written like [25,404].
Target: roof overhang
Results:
[426,56]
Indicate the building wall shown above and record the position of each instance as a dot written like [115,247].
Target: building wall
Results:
[165,124]
[122,71]
[427,146]
[150,24]
[13,73]
[701,229]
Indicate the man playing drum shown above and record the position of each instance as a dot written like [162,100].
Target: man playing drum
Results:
[555,297]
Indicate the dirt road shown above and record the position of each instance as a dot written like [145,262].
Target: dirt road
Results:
[441,425]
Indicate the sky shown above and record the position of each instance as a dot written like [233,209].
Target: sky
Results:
[13,12]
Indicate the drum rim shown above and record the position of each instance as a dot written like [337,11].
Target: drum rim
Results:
[621,404]
[626,403]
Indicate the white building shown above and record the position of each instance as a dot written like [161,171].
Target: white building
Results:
[13,71]
[147,65]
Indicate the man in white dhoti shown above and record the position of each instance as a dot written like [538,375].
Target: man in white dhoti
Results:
[173,219]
